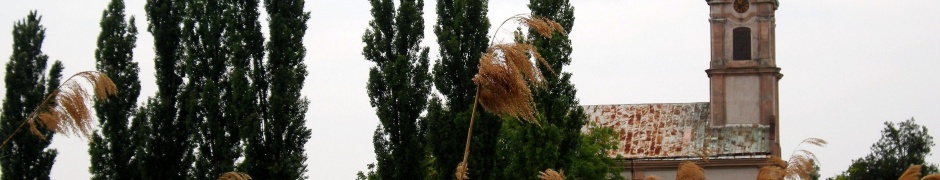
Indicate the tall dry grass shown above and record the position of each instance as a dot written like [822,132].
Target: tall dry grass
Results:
[690,171]
[66,110]
[234,176]
[505,74]
[912,173]
[776,170]
[931,177]
[551,174]
[802,162]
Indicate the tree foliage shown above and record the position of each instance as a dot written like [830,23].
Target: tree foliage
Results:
[461,28]
[901,145]
[244,44]
[26,156]
[275,147]
[207,68]
[398,86]
[165,137]
[559,142]
[112,148]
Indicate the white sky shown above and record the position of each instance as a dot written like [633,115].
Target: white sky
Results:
[849,66]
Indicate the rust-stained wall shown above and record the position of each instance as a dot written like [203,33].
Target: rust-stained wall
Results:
[675,131]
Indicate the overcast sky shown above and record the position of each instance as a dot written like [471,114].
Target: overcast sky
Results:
[849,66]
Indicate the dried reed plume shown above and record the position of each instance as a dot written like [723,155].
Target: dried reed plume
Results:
[505,75]
[543,26]
[775,170]
[690,171]
[931,177]
[652,177]
[66,110]
[461,173]
[234,176]
[912,173]
[551,174]
[801,164]
[504,79]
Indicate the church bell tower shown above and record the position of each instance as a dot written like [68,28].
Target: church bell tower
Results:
[743,70]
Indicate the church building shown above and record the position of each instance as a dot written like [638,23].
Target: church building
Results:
[737,131]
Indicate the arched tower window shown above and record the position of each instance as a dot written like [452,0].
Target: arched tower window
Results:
[742,43]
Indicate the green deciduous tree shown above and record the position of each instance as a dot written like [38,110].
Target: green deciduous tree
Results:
[275,149]
[461,29]
[26,156]
[398,86]
[112,147]
[165,137]
[901,145]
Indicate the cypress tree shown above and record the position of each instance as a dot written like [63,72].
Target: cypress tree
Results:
[398,85]
[26,156]
[109,147]
[275,149]
[461,29]
[166,142]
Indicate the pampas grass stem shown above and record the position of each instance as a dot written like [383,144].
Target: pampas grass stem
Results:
[504,77]
[65,109]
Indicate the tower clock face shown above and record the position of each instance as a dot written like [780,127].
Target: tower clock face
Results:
[741,6]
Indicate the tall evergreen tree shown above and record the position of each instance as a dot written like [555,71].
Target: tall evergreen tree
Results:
[25,156]
[398,85]
[111,148]
[166,142]
[275,150]
[461,29]
[557,144]
[207,64]
[245,44]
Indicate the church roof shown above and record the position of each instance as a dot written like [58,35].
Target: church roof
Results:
[676,130]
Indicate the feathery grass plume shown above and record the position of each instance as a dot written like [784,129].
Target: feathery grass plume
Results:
[652,177]
[912,173]
[931,177]
[801,164]
[234,176]
[551,174]
[66,109]
[771,173]
[461,173]
[505,73]
[774,170]
[815,141]
[543,26]
[690,171]
[503,78]
[777,162]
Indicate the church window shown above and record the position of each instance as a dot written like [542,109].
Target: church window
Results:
[742,43]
